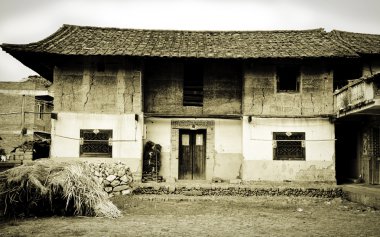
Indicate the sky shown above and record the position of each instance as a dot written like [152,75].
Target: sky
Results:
[27,21]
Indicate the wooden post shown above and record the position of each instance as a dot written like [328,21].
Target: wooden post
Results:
[23,112]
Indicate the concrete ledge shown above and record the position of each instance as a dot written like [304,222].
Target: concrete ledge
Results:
[222,189]
[363,194]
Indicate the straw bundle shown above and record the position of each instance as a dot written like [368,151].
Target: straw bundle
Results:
[48,187]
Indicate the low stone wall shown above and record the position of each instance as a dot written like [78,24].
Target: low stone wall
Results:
[116,178]
[242,191]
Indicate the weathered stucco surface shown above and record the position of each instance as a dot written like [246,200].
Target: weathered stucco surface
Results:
[83,88]
[224,157]
[289,170]
[258,149]
[87,97]
[261,97]
[163,84]
[127,133]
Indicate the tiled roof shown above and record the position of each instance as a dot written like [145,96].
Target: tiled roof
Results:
[84,40]
[360,43]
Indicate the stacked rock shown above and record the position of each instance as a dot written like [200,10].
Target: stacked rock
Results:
[116,178]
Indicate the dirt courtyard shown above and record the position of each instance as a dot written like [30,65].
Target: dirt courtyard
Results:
[174,215]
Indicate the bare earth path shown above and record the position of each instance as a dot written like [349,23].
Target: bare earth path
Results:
[211,216]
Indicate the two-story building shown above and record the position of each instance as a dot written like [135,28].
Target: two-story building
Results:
[254,105]
[357,108]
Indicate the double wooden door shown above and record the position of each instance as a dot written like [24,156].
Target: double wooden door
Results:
[192,154]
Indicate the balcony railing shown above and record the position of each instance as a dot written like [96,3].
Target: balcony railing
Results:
[358,95]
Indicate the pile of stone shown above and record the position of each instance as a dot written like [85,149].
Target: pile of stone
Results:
[116,178]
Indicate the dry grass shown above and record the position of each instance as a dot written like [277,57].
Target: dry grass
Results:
[47,187]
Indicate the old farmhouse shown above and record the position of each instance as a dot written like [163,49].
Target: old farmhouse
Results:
[253,105]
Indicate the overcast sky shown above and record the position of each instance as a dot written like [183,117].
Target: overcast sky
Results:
[26,21]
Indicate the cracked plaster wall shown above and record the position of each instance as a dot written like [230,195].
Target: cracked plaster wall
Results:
[82,88]
[314,98]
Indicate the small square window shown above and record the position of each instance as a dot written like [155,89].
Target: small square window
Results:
[193,84]
[289,146]
[288,78]
[95,143]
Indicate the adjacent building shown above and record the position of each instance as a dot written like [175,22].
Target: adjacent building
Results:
[25,108]
[253,105]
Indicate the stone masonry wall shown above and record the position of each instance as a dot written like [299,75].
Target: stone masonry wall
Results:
[261,98]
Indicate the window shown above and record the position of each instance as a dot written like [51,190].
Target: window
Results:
[288,78]
[193,84]
[40,110]
[345,72]
[95,143]
[289,146]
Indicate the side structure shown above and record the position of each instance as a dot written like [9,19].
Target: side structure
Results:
[25,108]
[252,105]
[357,108]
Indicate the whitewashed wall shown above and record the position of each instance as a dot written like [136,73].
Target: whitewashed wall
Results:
[227,159]
[258,149]
[66,132]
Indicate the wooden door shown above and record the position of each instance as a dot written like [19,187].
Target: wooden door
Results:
[374,167]
[192,154]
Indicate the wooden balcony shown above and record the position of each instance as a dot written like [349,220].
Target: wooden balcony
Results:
[360,97]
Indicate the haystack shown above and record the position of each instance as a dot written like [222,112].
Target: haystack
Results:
[46,187]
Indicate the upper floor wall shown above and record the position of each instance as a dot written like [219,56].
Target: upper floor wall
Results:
[306,90]
[195,88]
[98,86]
[192,88]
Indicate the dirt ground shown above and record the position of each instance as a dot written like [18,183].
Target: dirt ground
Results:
[165,215]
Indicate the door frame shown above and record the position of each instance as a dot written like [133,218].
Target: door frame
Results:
[192,124]
[193,153]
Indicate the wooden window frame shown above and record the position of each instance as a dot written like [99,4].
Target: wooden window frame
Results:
[193,84]
[283,141]
[288,78]
[96,139]
[40,110]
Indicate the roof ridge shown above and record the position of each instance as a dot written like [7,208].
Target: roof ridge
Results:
[336,37]
[195,31]
[353,33]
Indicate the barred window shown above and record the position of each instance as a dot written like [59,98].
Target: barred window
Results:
[289,146]
[95,143]
[193,84]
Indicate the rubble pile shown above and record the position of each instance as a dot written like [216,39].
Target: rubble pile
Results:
[116,178]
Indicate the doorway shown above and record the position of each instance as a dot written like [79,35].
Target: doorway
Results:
[192,154]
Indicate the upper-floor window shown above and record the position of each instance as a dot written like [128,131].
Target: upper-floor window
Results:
[40,110]
[193,84]
[288,78]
